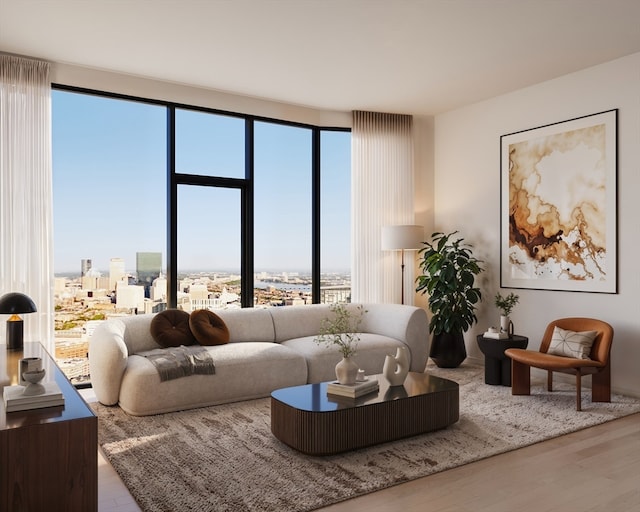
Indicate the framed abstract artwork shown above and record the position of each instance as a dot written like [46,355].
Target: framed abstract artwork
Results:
[558,206]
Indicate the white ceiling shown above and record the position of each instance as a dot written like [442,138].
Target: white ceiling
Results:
[403,56]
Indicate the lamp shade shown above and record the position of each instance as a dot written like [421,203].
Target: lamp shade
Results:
[15,303]
[395,238]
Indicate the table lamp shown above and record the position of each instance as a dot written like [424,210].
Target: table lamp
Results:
[13,304]
[402,238]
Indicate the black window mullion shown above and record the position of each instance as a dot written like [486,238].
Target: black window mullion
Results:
[247,250]
[315,216]
[172,211]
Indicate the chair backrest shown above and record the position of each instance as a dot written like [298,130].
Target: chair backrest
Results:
[602,344]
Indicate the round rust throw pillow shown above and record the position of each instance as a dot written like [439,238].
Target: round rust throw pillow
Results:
[208,328]
[170,328]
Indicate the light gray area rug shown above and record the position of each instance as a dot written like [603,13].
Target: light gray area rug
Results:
[224,458]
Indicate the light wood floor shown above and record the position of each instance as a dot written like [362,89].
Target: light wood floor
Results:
[593,470]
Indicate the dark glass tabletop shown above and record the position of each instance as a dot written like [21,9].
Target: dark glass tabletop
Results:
[314,397]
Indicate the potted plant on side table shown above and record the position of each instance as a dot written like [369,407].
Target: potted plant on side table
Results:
[506,305]
[449,271]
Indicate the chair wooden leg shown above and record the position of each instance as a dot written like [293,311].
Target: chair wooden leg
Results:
[520,378]
[549,381]
[601,385]
[578,390]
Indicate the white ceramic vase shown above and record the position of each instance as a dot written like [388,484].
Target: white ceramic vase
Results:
[506,325]
[346,371]
[396,367]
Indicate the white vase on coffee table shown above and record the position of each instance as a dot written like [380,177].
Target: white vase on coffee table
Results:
[347,371]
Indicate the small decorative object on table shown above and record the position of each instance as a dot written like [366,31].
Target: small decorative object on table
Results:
[396,367]
[353,391]
[28,364]
[496,334]
[342,330]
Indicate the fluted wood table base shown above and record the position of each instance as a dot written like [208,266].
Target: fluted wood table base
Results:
[308,420]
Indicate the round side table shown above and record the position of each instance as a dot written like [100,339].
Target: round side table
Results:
[497,366]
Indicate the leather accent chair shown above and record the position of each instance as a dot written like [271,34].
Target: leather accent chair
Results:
[598,365]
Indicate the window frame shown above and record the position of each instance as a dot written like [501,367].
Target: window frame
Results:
[245,185]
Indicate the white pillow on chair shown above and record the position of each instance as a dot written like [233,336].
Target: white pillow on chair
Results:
[571,344]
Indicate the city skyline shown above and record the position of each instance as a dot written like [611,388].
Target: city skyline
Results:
[131,271]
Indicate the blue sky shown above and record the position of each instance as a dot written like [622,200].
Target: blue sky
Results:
[109,168]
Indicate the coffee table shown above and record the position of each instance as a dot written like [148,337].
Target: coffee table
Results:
[310,421]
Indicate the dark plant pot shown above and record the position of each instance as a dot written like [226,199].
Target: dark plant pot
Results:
[448,349]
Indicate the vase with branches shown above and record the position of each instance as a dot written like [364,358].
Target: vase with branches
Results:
[341,330]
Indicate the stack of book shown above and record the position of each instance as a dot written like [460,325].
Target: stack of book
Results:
[353,391]
[15,398]
[496,335]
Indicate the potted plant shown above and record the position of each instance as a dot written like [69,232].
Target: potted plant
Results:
[342,330]
[506,305]
[449,271]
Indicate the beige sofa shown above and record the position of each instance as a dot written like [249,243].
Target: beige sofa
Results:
[268,349]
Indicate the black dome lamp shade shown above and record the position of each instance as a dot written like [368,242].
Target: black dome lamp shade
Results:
[13,304]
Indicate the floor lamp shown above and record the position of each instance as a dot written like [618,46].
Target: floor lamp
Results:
[402,238]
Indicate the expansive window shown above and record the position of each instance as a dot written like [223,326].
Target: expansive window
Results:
[109,186]
[335,214]
[209,247]
[283,207]
[159,205]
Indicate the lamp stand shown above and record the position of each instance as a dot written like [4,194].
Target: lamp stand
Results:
[15,333]
[402,279]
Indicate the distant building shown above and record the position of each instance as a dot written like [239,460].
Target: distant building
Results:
[339,294]
[148,268]
[91,280]
[159,289]
[116,272]
[85,266]
[130,297]
[198,292]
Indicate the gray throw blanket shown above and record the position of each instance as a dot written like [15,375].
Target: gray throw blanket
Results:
[176,362]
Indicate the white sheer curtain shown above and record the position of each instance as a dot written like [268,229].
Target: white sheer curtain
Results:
[26,228]
[382,195]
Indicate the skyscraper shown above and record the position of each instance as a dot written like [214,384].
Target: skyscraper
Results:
[116,272]
[148,268]
[85,266]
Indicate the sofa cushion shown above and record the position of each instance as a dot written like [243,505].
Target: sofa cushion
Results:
[170,328]
[208,328]
[248,324]
[293,322]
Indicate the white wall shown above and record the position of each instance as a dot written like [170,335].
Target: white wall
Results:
[77,76]
[467,187]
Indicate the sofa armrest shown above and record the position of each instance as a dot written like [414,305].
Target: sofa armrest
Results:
[408,324]
[108,355]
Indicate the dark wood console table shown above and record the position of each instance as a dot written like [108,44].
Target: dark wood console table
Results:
[49,456]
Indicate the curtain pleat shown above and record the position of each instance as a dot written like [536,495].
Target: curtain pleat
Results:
[26,195]
[382,194]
